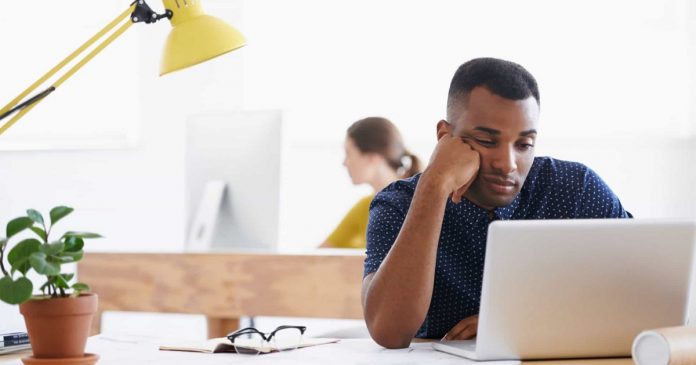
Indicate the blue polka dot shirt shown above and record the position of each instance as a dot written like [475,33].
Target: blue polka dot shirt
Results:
[554,189]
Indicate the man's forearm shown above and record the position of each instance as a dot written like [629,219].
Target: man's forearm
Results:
[397,297]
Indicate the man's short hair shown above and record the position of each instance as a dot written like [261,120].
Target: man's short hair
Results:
[503,78]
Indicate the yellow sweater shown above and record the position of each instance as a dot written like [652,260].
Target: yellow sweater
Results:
[352,231]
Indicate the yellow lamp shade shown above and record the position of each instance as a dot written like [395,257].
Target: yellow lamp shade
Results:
[195,37]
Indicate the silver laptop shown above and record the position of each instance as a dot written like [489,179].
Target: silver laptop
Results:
[578,288]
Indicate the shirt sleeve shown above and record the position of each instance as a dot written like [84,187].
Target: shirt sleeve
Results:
[350,232]
[598,201]
[384,224]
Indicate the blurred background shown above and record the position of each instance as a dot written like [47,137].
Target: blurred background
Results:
[617,86]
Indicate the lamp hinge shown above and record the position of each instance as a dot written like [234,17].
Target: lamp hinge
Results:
[144,14]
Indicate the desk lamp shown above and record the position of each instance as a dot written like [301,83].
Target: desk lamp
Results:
[195,37]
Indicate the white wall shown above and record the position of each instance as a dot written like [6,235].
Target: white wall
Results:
[616,79]
[604,92]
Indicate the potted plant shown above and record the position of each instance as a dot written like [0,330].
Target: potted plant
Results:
[58,320]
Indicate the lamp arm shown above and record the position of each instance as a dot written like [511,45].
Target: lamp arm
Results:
[24,107]
[138,11]
[28,102]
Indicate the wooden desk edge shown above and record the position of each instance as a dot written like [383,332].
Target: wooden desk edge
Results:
[224,286]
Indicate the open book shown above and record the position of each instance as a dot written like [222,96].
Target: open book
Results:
[222,344]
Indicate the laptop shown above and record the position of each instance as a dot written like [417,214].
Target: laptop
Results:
[578,288]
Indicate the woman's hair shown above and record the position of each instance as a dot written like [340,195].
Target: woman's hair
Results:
[379,135]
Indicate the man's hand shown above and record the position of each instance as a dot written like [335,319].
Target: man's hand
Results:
[455,164]
[464,330]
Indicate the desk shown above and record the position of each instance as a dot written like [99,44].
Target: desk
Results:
[135,351]
[227,285]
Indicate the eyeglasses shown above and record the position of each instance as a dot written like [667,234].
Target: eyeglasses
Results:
[251,341]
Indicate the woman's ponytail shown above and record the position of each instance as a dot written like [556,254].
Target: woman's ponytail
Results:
[411,165]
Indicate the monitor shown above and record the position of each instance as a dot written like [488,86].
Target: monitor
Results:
[233,180]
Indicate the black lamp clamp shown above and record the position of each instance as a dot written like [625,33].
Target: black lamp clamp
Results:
[144,14]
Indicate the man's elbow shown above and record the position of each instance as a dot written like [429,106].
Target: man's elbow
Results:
[389,338]
[383,327]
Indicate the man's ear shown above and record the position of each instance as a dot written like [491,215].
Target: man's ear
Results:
[443,129]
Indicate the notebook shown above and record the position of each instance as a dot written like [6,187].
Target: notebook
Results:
[222,344]
[14,342]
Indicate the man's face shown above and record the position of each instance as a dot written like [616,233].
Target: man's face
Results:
[503,132]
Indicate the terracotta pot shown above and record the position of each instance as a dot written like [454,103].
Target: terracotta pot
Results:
[59,327]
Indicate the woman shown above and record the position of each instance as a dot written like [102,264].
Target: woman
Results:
[375,155]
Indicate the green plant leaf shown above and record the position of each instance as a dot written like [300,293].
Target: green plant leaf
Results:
[3,243]
[18,225]
[80,287]
[58,213]
[60,281]
[20,253]
[39,232]
[63,259]
[67,276]
[42,266]
[82,234]
[76,256]
[54,248]
[73,243]
[15,292]
[35,216]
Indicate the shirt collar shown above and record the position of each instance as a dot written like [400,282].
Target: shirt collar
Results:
[503,213]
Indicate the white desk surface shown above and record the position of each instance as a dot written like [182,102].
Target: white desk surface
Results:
[121,350]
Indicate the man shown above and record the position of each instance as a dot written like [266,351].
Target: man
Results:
[426,235]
